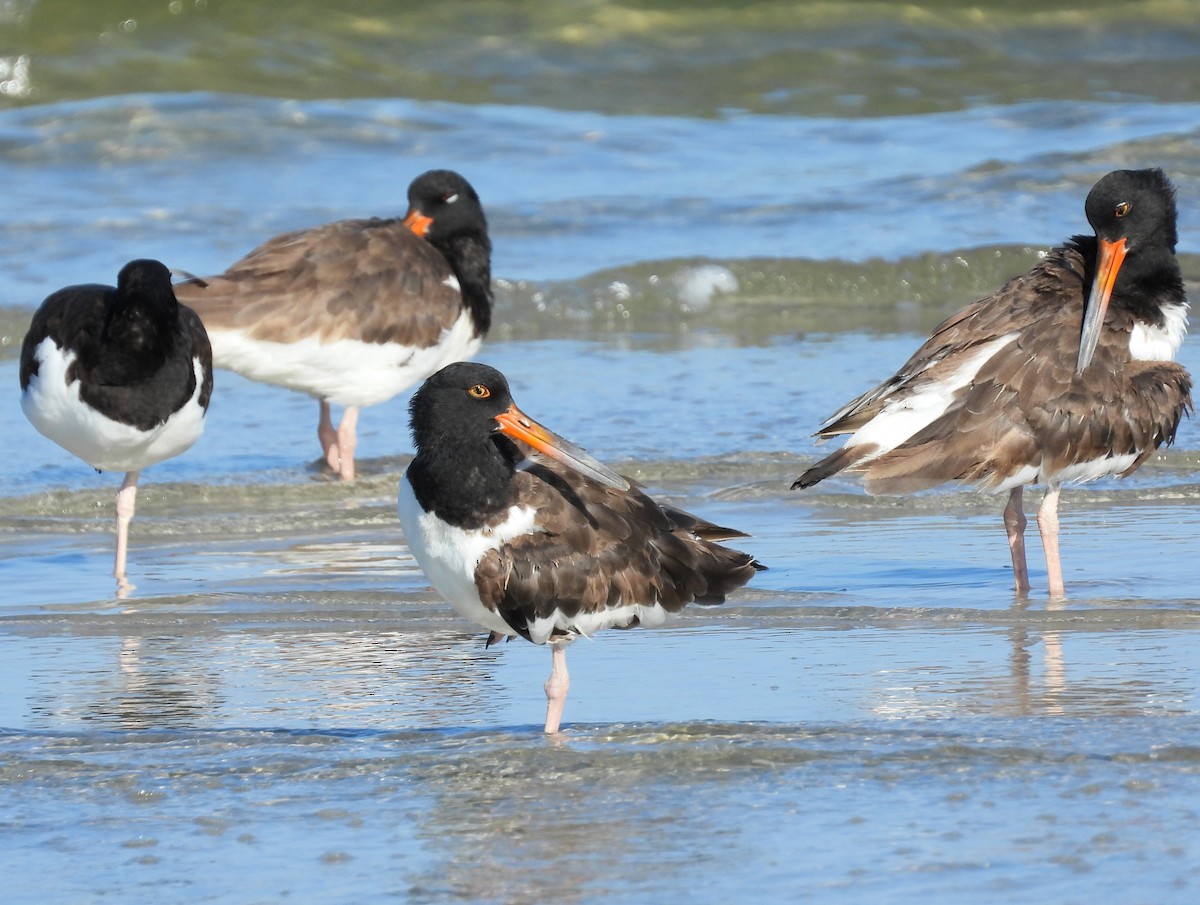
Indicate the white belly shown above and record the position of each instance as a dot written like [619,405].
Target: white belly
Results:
[1078,473]
[344,372]
[54,407]
[449,555]
[557,623]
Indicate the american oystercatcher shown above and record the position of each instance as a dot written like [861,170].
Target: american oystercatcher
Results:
[526,534]
[120,377]
[356,311]
[1065,374]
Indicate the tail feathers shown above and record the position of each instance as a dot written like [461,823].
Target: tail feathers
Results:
[732,570]
[986,462]
[699,571]
[846,457]
[702,528]
[906,473]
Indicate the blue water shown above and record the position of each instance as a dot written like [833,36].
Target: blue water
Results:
[198,180]
[282,708]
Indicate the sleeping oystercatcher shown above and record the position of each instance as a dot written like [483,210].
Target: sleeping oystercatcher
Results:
[119,377]
[1065,374]
[356,311]
[526,534]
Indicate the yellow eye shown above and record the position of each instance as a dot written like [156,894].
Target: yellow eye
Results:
[479,391]
[1122,209]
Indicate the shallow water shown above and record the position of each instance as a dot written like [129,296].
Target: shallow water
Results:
[711,228]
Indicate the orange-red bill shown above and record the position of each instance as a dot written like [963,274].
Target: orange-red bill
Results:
[418,222]
[1109,256]
[516,424]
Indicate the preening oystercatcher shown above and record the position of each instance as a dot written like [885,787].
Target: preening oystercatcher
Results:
[1065,374]
[356,311]
[120,377]
[526,534]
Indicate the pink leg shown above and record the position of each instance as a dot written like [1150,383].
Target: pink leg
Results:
[328,437]
[556,688]
[126,503]
[1047,518]
[1014,524]
[347,440]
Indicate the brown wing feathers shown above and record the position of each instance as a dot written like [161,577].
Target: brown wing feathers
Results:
[1164,387]
[1025,402]
[995,428]
[371,280]
[629,550]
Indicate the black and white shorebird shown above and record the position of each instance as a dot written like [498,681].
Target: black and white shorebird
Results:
[1065,374]
[118,376]
[526,534]
[356,311]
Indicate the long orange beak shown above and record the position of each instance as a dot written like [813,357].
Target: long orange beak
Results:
[418,222]
[1108,262]
[516,424]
